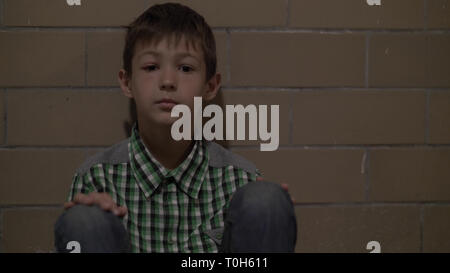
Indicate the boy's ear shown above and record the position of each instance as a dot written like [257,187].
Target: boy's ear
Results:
[124,81]
[212,87]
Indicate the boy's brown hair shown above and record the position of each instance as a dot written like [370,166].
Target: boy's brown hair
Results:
[172,21]
[168,21]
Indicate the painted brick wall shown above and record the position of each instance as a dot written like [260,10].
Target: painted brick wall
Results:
[364,95]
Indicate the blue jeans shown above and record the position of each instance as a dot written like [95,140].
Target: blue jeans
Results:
[260,218]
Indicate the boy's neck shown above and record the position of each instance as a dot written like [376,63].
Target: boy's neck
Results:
[163,147]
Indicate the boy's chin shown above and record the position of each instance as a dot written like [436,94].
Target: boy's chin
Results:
[160,120]
[166,121]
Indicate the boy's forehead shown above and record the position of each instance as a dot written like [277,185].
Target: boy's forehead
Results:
[181,45]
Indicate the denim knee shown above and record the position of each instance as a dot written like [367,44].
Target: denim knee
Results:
[261,197]
[92,228]
[260,218]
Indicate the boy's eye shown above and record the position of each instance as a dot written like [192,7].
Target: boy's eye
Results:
[150,67]
[186,68]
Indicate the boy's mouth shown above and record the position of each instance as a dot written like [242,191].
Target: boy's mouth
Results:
[166,104]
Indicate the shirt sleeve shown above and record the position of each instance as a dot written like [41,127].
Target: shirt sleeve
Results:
[80,184]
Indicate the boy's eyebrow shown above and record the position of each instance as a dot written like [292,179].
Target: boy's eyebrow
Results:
[185,54]
[149,52]
[157,54]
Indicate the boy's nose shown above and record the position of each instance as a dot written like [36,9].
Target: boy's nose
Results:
[168,81]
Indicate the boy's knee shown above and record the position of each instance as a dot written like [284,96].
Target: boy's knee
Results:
[82,217]
[261,218]
[261,196]
[91,227]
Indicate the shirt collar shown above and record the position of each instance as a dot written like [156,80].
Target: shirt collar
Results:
[150,174]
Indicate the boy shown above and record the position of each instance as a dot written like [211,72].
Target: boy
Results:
[172,196]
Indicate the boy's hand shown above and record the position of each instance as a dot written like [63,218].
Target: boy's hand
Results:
[101,199]
[286,188]
[283,185]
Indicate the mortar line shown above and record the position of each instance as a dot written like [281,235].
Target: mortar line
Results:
[2,15]
[43,147]
[288,13]
[62,28]
[114,88]
[335,88]
[370,204]
[343,147]
[367,59]
[367,175]
[251,147]
[291,122]
[67,88]
[418,204]
[282,29]
[5,112]
[427,117]
[1,231]
[228,57]
[31,207]
[85,60]
[421,223]
[333,31]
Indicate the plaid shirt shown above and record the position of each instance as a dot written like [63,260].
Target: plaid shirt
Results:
[179,210]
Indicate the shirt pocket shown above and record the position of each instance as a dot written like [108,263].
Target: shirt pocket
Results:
[214,234]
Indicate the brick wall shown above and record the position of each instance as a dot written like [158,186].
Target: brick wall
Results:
[364,95]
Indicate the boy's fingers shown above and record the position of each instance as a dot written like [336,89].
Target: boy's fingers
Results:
[122,211]
[286,188]
[68,205]
[283,185]
[79,198]
[89,199]
[103,200]
[86,199]
[106,203]
[119,211]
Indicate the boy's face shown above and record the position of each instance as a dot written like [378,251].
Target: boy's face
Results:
[166,74]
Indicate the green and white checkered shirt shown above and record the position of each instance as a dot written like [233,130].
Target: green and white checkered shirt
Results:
[179,210]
